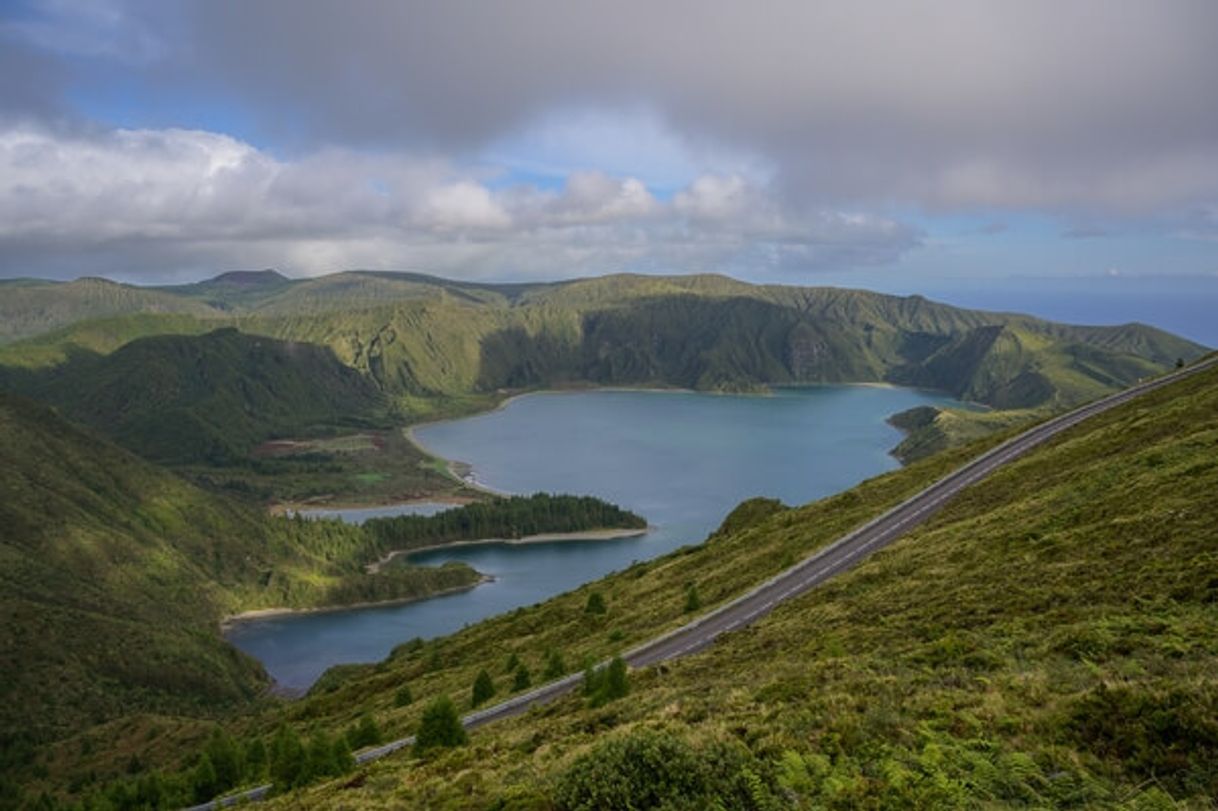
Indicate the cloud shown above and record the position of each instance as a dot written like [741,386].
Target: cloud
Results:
[967,103]
[145,203]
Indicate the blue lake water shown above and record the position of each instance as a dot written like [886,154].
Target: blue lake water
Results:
[681,460]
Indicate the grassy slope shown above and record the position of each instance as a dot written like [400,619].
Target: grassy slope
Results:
[210,398]
[115,574]
[30,307]
[1050,639]
[427,340]
[204,403]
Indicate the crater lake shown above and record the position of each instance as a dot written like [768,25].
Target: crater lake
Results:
[680,459]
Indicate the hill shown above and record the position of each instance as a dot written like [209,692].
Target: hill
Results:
[209,398]
[116,574]
[32,307]
[429,341]
[1049,639]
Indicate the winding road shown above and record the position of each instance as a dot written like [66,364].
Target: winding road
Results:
[837,557]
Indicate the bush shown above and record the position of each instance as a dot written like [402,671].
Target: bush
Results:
[692,601]
[403,697]
[608,683]
[364,733]
[483,690]
[595,604]
[523,680]
[439,727]
[648,768]
[556,668]
[287,760]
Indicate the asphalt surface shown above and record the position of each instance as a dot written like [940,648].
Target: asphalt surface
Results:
[837,557]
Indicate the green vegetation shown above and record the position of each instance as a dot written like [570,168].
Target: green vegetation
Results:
[512,517]
[29,307]
[439,346]
[556,667]
[929,429]
[1047,640]
[117,574]
[692,601]
[656,769]
[605,684]
[364,733]
[206,399]
[440,727]
[595,604]
[483,689]
[251,416]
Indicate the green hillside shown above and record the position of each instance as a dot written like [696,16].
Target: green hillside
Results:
[116,574]
[29,307]
[1048,640]
[209,398]
[427,341]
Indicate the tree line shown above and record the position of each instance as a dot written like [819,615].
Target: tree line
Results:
[512,517]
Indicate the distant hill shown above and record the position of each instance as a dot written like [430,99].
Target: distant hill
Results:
[234,289]
[418,336]
[29,307]
[208,398]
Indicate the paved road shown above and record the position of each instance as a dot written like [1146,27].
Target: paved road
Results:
[834,559]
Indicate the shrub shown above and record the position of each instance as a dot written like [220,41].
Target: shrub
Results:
[556,668]
[692,601]
[606,684]
[403,697]
[483,688]
[648,768]
[439,727]
[595,604]
[364,733]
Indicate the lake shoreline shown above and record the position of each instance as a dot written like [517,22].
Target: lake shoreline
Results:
[543,537]
[254,615]
[461,470]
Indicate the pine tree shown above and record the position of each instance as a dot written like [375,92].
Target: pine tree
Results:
[440,727]
[692,601]
[225,759]
[287,759]
[255,759]
[319,761]
[483,688]
[513,662]
[364,733]
[203,780]
[555,667]
[595,604]
[523,680]
[344,761]
[603,686]
[617,683]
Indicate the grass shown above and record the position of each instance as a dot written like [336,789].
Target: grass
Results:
[1050,639]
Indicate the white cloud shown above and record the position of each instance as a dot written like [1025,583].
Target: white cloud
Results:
[161,202]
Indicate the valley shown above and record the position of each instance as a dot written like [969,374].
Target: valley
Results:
[295,394]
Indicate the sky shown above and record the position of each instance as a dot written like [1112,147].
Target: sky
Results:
[925,146]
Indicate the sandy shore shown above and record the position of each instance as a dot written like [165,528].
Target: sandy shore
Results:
[265,613]
[545,537]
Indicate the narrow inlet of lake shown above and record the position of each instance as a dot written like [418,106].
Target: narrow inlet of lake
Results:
[682,460]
